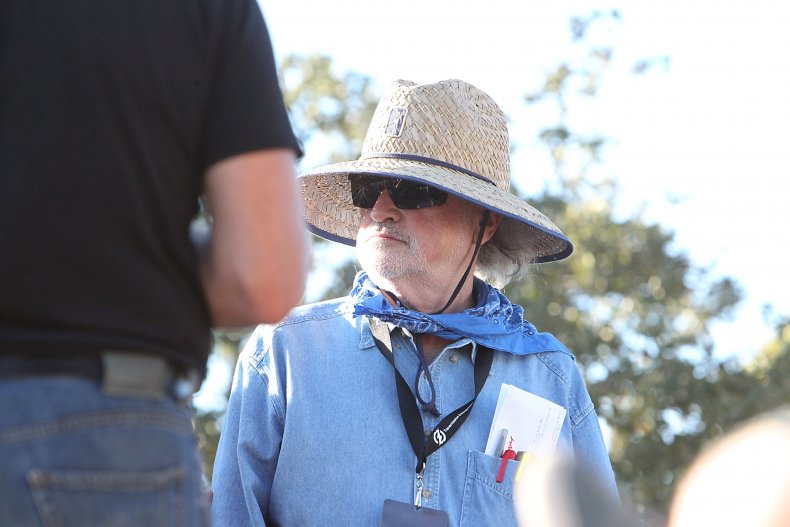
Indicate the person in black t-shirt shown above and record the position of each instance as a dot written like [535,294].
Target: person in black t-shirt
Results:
[114,118]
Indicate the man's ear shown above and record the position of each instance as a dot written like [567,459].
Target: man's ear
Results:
[494,220]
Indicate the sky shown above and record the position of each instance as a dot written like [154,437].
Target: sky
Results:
[699,143]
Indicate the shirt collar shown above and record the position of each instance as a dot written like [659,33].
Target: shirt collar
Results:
[366,338]
[365,335]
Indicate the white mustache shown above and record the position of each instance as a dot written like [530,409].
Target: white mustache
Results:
[390,231]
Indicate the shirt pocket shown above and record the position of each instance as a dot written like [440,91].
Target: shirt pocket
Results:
[109,498]
[486,502]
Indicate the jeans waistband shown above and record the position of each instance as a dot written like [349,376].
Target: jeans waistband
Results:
[121,373]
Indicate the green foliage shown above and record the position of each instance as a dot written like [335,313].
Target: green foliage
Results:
[207,429]
[338,108]
[638,319]
[634,310]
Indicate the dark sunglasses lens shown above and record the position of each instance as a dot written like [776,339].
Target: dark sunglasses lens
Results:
[410,195]
[365,191]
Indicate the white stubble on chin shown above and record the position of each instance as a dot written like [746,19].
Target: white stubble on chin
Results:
[389,262]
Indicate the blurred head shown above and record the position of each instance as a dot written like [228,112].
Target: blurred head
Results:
[741,479]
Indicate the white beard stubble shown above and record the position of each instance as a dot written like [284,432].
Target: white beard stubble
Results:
[403,265]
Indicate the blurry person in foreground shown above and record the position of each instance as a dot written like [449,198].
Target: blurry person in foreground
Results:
[741,479]
[555,491]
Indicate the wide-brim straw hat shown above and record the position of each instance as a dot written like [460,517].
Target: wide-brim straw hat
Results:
[449,135]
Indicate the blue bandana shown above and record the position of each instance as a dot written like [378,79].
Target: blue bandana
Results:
[495,322]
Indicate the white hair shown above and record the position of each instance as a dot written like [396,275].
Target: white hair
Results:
[500,261]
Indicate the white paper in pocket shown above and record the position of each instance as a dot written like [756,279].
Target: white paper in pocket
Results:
[532,422]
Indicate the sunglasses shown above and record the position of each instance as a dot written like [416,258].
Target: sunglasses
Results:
[365,191]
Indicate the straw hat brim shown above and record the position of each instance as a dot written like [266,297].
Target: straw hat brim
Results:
[331,215]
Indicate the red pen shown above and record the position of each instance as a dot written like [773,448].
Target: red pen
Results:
[509,453]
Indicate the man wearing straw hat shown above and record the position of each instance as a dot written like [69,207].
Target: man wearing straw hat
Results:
[377,408]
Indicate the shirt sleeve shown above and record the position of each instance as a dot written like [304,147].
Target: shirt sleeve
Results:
[249,445]
[589,449]
[245,111]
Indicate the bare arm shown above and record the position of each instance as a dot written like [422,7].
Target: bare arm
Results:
[256,260]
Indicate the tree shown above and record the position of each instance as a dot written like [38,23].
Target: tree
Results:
[635,311]
[321,102]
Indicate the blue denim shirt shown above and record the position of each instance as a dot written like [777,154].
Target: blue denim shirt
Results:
[313,434]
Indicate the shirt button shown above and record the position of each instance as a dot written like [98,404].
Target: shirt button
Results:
[453,358]
[426,494]
[426,432]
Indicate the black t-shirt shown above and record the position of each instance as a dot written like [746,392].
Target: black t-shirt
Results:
[110,113]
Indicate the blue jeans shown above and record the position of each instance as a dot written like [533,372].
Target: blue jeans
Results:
[70,455]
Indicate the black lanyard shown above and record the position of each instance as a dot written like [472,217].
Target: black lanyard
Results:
[412,421]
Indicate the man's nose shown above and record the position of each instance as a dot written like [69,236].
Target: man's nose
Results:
[384,208]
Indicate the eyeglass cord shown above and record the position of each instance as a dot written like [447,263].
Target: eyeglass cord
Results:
[430,406]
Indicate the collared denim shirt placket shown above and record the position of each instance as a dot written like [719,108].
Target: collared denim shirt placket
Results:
[407,362]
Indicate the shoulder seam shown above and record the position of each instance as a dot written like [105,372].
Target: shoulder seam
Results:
[254,360]
[575,413]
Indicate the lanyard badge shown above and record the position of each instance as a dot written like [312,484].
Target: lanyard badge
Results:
[399,514]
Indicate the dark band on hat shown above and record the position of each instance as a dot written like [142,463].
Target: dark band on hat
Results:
[430,161]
